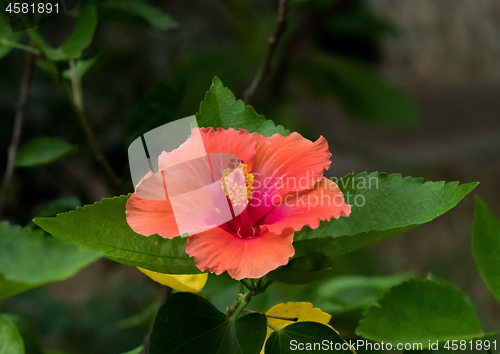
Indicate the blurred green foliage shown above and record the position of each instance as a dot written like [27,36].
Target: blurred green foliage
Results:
[10,339]
[485,246]
[148,63]
[42,150]
[29,259]
[421,312]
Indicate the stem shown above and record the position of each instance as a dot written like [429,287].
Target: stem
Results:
[274,328]
[239,304]
[261,285]
[309,26]
[77,106]
[18,125]
[234,306]
[75,85]
[273,41]
[16,45]
[244,282]
[92,139]
[241,288]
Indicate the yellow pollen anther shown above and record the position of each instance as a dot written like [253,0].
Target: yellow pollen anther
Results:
[239,193]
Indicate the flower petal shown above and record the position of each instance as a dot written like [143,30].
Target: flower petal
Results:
[207,141]
[219,250]
[237,142]
[193,148]
[284,164]
[149,217]
[180,282]
[323,202]
[179,199]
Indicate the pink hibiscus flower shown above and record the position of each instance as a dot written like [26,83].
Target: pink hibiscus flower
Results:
[239,196]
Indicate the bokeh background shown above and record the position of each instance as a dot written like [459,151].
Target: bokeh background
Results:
[410,87]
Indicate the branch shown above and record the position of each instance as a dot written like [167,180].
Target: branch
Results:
[309,26]
[75,84]
[16,45]
[273,41]
[76,102]
[91,137]
[18,125]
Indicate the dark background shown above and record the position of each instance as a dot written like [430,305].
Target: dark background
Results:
[444,54]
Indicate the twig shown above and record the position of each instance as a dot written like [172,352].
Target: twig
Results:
[165,294]
[92,139]
[273,41]
[309,26]
[77,104]
[75,85]
[18,125]
[16,45]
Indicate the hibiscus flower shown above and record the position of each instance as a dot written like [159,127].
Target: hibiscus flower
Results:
[239,197]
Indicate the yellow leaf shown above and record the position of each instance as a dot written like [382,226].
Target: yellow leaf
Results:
[304,311]
[183,282]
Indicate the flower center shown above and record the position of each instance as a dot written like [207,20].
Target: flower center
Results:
[238,184]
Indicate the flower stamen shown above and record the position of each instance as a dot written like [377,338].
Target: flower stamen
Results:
[239,193]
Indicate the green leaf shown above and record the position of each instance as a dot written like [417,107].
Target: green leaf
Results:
[10,339]
[141,319]
[49,67]
[359,90]
[137,350]
[136,12]
[383,206]
[60,205]
[419,312]
[8,40]
[78,41]
[308,337]
[29,259]
[188,323]
[158,105]
[303,270]
[352,292]
[221,109]
[486,246]
[103,227]
[30,339]
[42,151]
[83,67]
